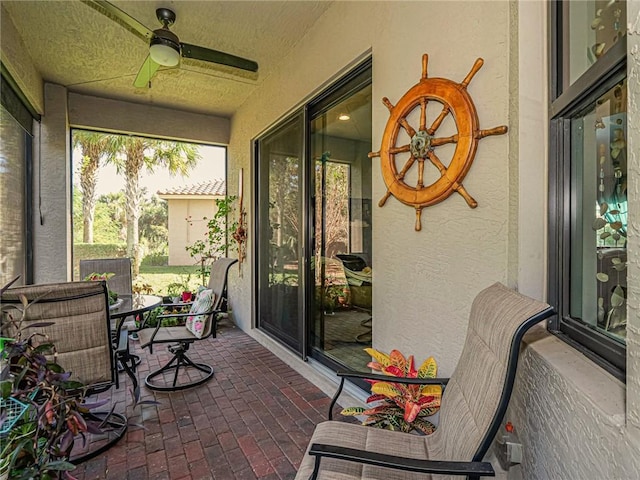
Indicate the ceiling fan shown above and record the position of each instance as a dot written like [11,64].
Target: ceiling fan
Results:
[165,49]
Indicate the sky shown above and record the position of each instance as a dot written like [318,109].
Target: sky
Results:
[210,167]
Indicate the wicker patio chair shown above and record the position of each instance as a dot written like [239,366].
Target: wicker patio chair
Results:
[473,405]
[74,317]
[187,373]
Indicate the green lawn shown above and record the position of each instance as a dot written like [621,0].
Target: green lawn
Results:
[159,278]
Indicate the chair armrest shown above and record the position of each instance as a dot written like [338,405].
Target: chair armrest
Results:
[186,314]
[159,318]
[389,378]
[172,315]
[383,378]
[436,467]
[176,305]
[122,346]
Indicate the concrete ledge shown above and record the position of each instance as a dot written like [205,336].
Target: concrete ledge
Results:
[605,392]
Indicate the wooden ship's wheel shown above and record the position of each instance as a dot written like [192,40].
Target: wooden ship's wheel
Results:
[456,101]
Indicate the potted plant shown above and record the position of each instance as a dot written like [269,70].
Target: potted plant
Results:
[42,409]
[180,291]
[399,406]
[96,277]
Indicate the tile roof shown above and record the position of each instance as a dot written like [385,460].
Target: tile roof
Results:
[213,187]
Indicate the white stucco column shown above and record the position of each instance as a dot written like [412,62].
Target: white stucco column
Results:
[52,191]
[532,147]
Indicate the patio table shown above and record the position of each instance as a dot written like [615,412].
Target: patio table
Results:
[129,305]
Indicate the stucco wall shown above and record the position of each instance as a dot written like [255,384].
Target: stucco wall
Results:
[86,111]
[448,266]
[569,415]
[52,191]
[633,251]
[183,232]
[18,62]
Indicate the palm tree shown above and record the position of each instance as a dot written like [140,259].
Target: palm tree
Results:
[135,154]
[94,147]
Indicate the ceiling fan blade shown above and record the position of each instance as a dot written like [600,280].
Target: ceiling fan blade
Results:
[114,13]
[214,56]
[146,73]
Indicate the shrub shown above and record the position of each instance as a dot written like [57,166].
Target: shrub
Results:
[155,260]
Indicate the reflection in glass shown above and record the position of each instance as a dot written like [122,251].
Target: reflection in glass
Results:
[594,27]
[341,308]
[599,208]
[279,213]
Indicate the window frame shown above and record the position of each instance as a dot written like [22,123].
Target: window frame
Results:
[356,78]
[23,112]
[566,102]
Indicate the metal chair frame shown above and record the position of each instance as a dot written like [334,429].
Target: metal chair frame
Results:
[180,339]
[115,424]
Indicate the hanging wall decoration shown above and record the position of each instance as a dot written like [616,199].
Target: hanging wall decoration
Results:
[240,234]
[455,101]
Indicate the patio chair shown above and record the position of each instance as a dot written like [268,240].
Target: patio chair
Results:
[473,405]
[120,283]
[74,317]
[201,324]
[360,289]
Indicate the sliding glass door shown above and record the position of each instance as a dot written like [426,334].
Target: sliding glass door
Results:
[314,257]
[341,305]
[280,232]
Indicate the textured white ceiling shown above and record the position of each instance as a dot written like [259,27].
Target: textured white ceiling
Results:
[72,44]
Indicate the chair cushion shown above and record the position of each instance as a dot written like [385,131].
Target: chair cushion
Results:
[364,438]
[164,335]
[202,304]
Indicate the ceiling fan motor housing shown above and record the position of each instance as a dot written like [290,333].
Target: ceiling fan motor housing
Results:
[164,47]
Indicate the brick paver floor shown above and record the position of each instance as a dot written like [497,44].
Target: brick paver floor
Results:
[252,420]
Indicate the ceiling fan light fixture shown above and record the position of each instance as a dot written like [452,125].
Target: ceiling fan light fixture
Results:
[164,50]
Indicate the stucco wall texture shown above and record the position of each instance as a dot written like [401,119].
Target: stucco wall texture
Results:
[569,415]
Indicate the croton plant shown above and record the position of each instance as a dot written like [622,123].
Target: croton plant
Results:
[397,406]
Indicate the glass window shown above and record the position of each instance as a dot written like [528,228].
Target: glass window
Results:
[588,179]
[599,206]
[595,26]
[15,192]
